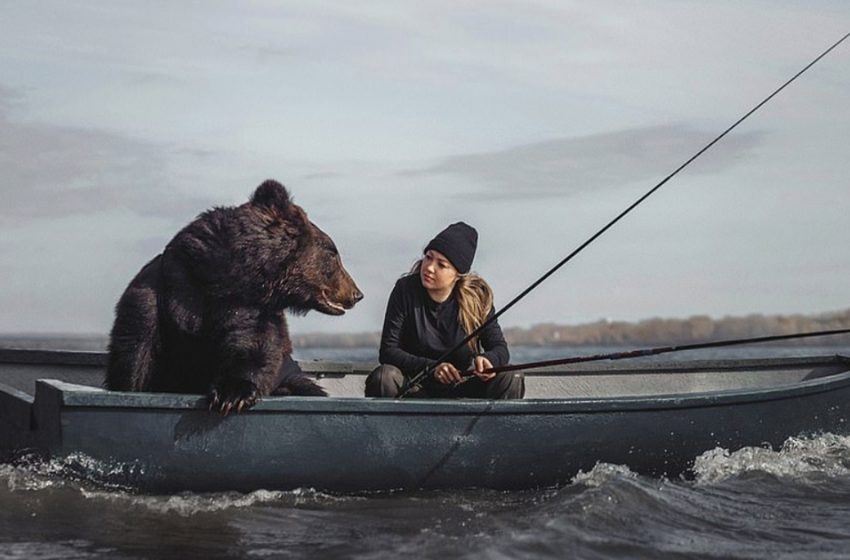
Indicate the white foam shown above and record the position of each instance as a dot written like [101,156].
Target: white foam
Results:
[602,473]
[188,504]
[826,454]
[86,475]
[33,473]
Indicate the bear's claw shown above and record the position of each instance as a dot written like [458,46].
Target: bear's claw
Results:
[233,394]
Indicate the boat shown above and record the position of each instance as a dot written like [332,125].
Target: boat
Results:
[655,417]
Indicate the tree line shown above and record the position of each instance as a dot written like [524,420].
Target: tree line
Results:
[649,332]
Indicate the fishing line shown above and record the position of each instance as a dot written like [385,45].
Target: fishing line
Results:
[415,380]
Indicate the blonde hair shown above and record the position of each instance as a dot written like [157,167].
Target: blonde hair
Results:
[474,301]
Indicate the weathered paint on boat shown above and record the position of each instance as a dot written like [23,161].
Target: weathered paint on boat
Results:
[654,418]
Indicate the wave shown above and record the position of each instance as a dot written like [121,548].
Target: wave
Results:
[825,454]
[188,504]
[90,479]
[747,503]
[753,502]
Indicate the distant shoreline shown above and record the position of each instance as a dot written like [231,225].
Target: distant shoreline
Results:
[648,332]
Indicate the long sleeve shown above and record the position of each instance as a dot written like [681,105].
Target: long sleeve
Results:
[391,351]
[493,343]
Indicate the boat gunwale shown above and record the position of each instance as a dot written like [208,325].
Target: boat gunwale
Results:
[80,396]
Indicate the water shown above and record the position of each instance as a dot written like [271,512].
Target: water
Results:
[746,503]
[751,503]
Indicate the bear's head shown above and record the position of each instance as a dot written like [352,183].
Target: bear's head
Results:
[305,270]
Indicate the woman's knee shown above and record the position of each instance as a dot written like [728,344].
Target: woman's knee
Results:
[384,381]
[507,385]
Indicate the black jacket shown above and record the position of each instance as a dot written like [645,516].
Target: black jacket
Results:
[417,331]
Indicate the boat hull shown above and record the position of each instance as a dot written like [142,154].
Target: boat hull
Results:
[168,443]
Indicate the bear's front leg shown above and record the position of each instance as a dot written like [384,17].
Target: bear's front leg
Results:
[248,345]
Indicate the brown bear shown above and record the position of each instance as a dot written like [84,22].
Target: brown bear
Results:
[207,315]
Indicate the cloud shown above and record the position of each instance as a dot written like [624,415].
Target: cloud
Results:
[51,171]
[568,166]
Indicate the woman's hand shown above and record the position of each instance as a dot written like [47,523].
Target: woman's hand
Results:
[446,374]
[482,364]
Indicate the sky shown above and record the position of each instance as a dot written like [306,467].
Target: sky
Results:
[537,122]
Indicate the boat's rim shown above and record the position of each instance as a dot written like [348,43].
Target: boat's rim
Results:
[71,395]
[80,396]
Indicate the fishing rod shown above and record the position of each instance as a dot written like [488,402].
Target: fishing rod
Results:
[655,351]
[416,380]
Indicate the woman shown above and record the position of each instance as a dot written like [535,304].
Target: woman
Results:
[430,311]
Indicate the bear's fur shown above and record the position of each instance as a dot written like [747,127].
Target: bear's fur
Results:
[207,315]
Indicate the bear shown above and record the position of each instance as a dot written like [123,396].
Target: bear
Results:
[207,314]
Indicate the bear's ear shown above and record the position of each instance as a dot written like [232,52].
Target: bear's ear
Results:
[271,195]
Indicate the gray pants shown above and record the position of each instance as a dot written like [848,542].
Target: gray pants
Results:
[388,381]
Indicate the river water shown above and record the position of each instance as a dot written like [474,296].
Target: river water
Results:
[793,502]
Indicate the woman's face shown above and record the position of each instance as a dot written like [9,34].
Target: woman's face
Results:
[437,273]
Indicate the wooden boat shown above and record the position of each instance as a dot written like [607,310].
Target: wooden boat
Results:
[655,418]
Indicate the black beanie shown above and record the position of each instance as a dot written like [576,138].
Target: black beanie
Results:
[457,242]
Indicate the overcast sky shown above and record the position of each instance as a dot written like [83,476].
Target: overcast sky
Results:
[535,121]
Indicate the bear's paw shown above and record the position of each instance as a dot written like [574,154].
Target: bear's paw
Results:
[233,394]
